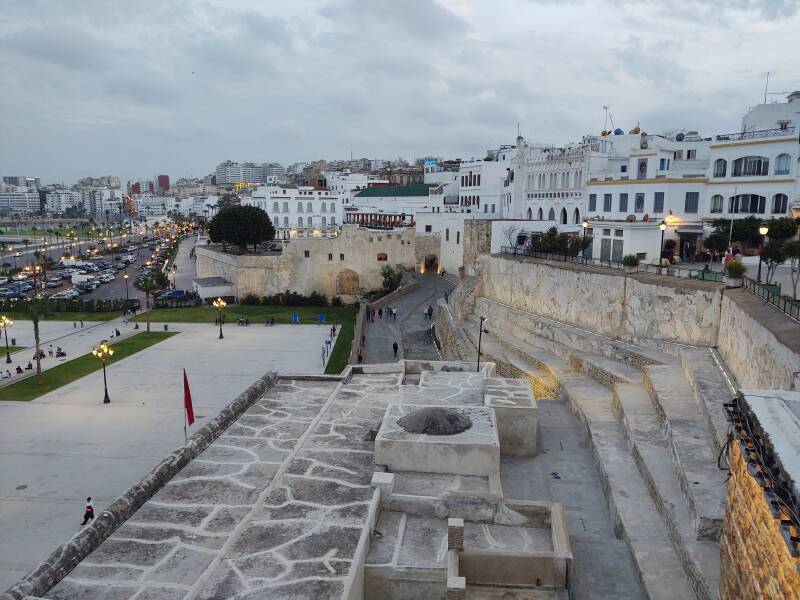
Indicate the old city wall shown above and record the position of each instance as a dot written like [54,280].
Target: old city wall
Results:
[610,303]
[346,265]
[477,241]
[759,344]
[425,245]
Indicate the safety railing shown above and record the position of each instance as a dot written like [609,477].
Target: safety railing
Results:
[789,307]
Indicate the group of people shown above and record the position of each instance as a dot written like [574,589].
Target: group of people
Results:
[115,333]
[428,312]
[389,311]
[732,254]
[328,345]
[243,322]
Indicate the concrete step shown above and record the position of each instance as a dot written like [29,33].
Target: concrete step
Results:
[712,386]
[693,451]
[632,508]
[642,427]
[605,371]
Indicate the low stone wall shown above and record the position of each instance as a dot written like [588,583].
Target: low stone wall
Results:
[612,303]
[450,335]
[758,343]
[391,297]
[755,560]
[56,566]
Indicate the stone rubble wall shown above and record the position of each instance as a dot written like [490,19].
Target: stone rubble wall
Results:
[453,343]
[425,245]
[609,303]
[64,558]
[755,558]
[477,241]
[756,357]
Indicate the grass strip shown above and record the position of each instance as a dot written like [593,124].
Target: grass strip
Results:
[256,314]
[71,316]
[67,372]
[341,349]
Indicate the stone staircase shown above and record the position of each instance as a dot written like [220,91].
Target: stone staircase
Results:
[655,427]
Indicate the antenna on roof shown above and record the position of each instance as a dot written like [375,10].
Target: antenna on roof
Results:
[766,86]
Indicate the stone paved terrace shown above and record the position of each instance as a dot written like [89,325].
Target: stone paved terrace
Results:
[280,505]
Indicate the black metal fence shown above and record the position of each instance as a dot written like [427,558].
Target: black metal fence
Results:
[670,271]
[769,295]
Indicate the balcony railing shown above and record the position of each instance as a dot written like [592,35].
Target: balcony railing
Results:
[755,135]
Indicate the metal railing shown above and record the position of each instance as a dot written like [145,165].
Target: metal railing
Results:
[669,271]
[789,307]
[754,135]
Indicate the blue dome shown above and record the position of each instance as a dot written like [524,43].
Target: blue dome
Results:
[680,137]
[618,131]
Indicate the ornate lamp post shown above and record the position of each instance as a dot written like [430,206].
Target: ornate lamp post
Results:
[125,277]
[5,322]
[663,227]
[219,304]
[103,352]
[480,336]
[763,230]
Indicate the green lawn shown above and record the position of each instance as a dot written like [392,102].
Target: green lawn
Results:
[344,343]
[256,314]
[70,316]
[67,372]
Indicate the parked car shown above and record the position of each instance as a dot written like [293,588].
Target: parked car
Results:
[84,287]
[3,280]
[105,277]
[65,295]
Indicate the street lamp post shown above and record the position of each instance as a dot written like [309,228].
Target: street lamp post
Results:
[480,337]
[763,230]
[219,304]
[125,277]
[103,352]
[663,228]
[6,323]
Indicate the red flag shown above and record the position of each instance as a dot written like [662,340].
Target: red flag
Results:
[187,399]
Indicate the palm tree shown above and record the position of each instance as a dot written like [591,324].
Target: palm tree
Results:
[3,249]
[37,309]
[26,242]
[148,286]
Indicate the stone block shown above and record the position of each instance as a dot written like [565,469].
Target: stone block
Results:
[517,415]
[475,451]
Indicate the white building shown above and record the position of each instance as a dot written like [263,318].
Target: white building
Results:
[23,200]
[345,184]
[229,173]
[153,205]
[298,211]
[482,183]
[59,201]
[390,206]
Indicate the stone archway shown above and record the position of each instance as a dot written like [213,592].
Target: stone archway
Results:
[347,283]
[431,263]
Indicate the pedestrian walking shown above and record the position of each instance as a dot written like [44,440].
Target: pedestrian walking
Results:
[50,350]
[74,325]
[323,355]
[88,513]
[395,347]
[380,313]
[81,323]
[359,356]
[363,340]
[394,314]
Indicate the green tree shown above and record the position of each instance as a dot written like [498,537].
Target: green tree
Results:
[391,278]
[773,254]
[792,251]
[242,226]
[37,309]
[148,286]
[716,242]
[744,230]
[782,229]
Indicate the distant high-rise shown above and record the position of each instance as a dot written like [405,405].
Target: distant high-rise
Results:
[163,182]
[230,173]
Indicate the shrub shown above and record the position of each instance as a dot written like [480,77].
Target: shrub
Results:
[336,301]
[735,269]
[249,299]
[669,245]
[630,260]
[391,279]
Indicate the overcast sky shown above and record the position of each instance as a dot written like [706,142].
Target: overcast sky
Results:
[93,87]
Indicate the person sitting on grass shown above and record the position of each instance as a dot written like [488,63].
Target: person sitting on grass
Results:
[19,369]
[29,367]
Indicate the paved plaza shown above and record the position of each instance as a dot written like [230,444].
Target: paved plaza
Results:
[67,445]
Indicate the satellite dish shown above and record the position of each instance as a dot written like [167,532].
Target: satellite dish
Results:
[680,137]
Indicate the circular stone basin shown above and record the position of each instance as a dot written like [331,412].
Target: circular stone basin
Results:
[435,421]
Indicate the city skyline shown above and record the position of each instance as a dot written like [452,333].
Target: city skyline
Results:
[176,89]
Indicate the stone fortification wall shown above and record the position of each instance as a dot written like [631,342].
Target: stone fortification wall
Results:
[620,306]
[452,341]
[347,265]
[477,241]
[425,245]
[750,347]
[755,559]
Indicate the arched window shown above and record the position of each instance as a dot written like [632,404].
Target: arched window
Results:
[541,214]
[750,166]
[720,167]
[529,215]
[780,202]
[747,204]
[782,164]
[716,203]
[551,215]
[577,216]
[563,216]
[382,257]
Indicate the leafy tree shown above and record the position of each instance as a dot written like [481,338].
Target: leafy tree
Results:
[241,225]
[553,242]
[391,278]
[716,242]
[773,254]
[148,286]
[782,229]
[37,309]
[792,251]
[744,230]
